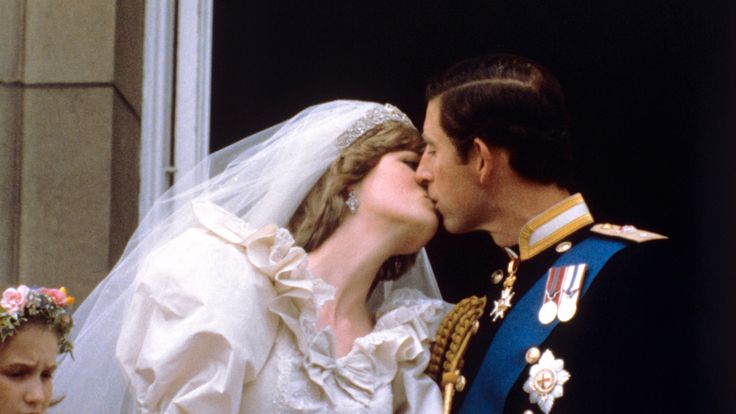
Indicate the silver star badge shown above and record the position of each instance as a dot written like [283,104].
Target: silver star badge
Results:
[545,382]
[503,304]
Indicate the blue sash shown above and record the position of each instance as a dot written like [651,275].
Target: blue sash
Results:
[520,330]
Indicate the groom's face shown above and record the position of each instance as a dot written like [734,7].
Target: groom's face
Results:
[450,182]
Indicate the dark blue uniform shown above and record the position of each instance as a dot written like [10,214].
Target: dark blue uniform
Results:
[626,349]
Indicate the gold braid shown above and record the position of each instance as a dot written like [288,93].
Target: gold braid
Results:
[451,342]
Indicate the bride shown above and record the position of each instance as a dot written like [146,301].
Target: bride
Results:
[285,280]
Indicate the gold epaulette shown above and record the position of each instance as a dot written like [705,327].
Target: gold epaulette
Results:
[451,342]
[627,232]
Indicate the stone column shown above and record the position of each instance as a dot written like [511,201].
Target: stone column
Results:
[70,83]
[11,101]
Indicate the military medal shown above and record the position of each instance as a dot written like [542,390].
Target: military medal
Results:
[503,303]
[561,293]
[571,289]
[546,380]
[548,312]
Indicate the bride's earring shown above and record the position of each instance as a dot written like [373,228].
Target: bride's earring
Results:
[352,202]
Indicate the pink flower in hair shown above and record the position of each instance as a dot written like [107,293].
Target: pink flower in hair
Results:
[14,299]
[58,296]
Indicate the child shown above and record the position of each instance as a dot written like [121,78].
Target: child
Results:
[34,327]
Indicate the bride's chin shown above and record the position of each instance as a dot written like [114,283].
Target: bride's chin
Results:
[409,250]
[418,237]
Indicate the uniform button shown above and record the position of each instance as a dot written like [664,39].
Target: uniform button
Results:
[563,247]
[532,355]
[528,412]
[497,276]
[460,384]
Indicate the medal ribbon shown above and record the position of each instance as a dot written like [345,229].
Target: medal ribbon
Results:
[554,281]
[572,285]
[504,360]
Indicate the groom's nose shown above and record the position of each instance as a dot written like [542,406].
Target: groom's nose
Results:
[423,174]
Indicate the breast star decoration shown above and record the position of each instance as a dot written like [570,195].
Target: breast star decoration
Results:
[545,381]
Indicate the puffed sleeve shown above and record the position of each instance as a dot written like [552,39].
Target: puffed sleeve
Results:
[416,318]
[197,328]
[416,392]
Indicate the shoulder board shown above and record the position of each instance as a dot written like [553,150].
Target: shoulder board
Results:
[627,232]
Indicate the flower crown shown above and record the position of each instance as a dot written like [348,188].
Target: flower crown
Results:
[51,305]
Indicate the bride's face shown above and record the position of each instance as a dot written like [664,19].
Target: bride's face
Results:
[391,192]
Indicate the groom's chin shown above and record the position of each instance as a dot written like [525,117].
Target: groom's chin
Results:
[452,226]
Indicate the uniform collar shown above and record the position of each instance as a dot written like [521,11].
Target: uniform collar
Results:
[553,225]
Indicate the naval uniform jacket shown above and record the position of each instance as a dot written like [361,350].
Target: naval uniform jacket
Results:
[626,348]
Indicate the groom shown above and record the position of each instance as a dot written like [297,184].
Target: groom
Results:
[585,317]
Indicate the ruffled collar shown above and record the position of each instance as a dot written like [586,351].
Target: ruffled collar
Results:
[405,322]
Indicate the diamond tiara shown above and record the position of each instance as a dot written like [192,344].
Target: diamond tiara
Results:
[372,118]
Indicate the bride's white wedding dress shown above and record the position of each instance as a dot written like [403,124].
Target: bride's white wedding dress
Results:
[205,314]
[222,320]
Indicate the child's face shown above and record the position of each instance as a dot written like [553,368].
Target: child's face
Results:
[27,364]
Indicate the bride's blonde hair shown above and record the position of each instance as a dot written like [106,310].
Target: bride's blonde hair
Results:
[323,209]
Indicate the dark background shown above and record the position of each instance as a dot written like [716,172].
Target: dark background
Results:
[646,82]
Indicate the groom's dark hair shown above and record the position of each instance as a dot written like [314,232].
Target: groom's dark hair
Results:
[510,102]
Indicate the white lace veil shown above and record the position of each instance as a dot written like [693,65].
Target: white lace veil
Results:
[262,179]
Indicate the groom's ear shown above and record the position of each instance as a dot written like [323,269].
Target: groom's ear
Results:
[484,160]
